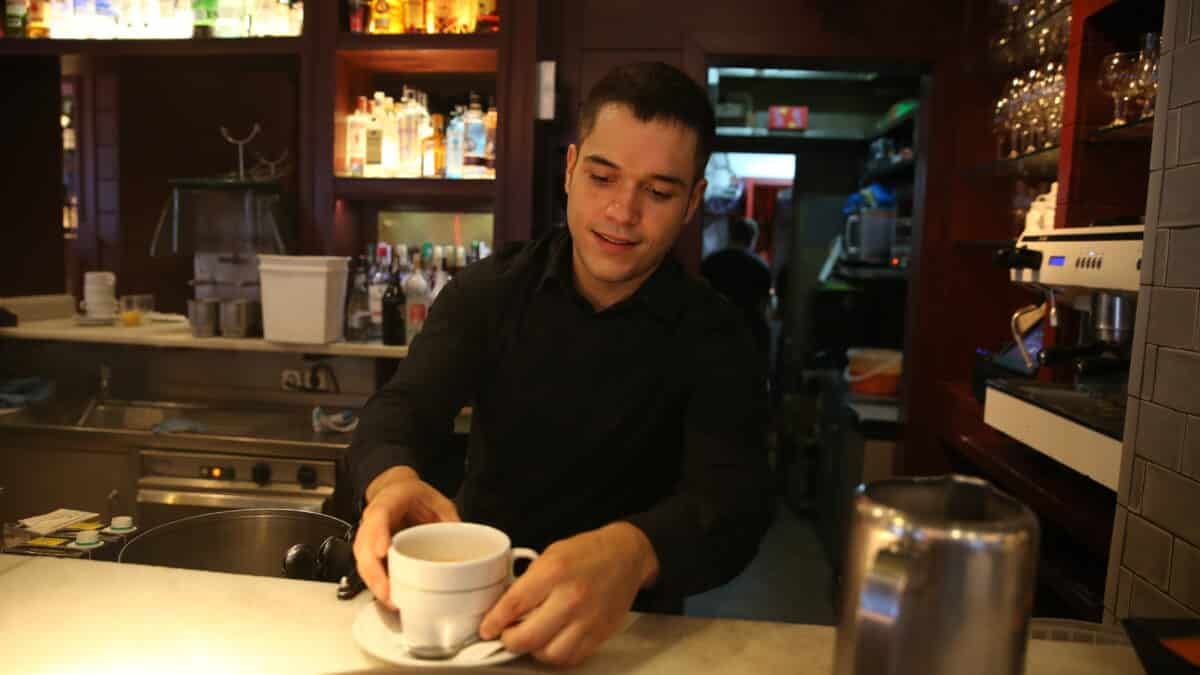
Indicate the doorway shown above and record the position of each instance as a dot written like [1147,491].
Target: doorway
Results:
[825,161]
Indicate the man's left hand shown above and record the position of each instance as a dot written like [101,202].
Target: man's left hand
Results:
[575,595]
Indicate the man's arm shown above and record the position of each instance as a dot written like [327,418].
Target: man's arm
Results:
[706,533]
[411,417]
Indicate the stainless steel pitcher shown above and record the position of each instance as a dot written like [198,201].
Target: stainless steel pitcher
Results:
[939,580]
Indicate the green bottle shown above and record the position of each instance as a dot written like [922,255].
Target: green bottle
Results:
[204,25]
[15,12]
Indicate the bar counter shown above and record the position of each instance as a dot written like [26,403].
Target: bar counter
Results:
[80,616]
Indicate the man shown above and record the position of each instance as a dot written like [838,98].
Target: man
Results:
[743,277]
[617,418]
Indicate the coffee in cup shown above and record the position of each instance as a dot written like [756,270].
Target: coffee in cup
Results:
[444,577]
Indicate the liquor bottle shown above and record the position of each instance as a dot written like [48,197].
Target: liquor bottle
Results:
[455,140]
[387,16]
[414,16]
[382,269]
[465,13]
[35,20]
[475,140]
[356,139]
[416,293]
[486,18]
[440,276]
[410,136]
[15,15]
[439,16]
[394,300]
[358,311]
[433,151]
[391,138]
[490,120]
[373,166]
[358,15]
[205,22]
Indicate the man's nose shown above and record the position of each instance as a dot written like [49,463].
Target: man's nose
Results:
[624,209]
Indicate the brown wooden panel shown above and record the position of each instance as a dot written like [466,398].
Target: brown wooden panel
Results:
[423,60]
[31,259]
[172,131]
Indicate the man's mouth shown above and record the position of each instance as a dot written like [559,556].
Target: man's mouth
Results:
[615,241]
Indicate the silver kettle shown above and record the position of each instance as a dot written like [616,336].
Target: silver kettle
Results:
[939,580]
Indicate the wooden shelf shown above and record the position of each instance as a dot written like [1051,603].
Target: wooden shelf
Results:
[477,53]
[431,189]
[421,41]
[187,47]
[1140,131]
[1040,164]
[179,335]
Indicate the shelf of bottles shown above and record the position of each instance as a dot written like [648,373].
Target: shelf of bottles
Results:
[393,285]
[53,21]
[465,20]
[402,142]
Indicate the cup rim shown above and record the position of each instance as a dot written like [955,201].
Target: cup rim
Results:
[449,564]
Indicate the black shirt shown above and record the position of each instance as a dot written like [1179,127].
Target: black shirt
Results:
[651,411]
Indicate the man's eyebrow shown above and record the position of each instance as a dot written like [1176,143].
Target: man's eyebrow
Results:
[665,178]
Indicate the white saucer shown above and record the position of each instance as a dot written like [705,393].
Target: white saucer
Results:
[84,547]
[85,320]
[109,530]
[377,631]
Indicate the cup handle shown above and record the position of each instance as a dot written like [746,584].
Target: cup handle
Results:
[521,554]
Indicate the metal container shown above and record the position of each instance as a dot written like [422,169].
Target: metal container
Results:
[241,318]
[241,541]
[938,581]
[1112,317]
[203,315]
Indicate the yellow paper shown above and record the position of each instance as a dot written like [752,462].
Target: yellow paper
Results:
[46,541]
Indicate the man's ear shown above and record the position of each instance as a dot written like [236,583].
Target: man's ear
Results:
[695,198]
[572,157]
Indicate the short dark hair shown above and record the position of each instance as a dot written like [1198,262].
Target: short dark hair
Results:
[742,230]
[655,91]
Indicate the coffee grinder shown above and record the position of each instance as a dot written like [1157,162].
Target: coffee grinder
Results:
[1080,422]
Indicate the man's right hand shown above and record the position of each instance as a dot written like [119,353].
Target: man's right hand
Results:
[396,499]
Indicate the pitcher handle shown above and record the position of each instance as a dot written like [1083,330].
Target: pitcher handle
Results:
[878,615]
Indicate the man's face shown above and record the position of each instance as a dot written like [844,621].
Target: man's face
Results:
[630,189]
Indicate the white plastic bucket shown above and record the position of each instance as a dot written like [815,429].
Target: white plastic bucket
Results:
[303,297]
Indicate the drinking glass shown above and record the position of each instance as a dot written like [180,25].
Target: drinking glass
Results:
[1118,78]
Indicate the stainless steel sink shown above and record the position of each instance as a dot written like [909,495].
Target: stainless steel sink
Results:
[183,417]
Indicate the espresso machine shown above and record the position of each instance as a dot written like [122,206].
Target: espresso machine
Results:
[1077,419]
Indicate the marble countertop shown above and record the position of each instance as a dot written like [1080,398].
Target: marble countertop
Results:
[79,616]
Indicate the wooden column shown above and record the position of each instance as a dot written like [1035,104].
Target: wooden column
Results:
[31,259]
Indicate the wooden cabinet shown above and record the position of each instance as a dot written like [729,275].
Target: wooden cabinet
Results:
[41,474]
[150,110]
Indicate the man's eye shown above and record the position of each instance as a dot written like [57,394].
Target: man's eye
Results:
[597,178]
[659,195]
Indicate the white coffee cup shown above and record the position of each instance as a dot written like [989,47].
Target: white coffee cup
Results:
[444,577]
[87,537]
[121,523]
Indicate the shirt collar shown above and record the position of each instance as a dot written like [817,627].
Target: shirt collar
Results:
[662,293]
